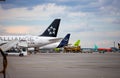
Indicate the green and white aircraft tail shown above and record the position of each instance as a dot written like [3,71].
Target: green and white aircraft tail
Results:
[95,47]
[77,43]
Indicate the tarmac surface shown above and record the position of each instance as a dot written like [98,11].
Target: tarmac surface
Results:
[64,65]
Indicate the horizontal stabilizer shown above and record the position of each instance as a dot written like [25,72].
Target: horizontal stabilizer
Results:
[55,40]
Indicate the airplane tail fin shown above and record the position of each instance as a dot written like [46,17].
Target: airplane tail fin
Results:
[77,43]
[95,47]
[52,30]
[64,42]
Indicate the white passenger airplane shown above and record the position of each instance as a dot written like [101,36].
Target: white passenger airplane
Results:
[48,37]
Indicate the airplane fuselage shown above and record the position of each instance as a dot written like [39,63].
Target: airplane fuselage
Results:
[32,41]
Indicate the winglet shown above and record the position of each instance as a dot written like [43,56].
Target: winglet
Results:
[64,42]
[52,30]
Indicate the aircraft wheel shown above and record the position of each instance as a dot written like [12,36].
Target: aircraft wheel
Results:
[21,54]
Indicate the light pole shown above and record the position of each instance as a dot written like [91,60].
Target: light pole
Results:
[114,44]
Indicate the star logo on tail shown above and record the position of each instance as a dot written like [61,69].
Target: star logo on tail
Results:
[51,30]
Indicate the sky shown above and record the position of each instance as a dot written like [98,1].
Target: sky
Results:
[91,21]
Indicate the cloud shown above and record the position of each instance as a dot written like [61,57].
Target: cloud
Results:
[77,14]
[109,7]
[110,10]
[116,21]
[76,27]
[109,20]
[44,11]
[52,10]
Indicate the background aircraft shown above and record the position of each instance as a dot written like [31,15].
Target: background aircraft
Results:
[102,49]
[77,43]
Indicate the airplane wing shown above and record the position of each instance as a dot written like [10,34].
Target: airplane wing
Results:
[3,42]
[55,40]
[8,45]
